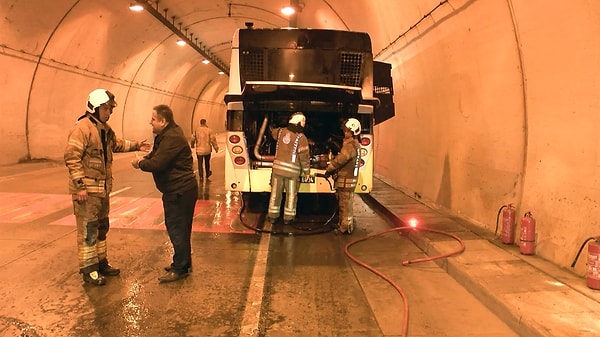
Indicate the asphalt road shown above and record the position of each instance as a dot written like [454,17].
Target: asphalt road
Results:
[243,283]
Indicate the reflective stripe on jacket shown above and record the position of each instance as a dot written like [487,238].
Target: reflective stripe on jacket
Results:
[292,155]
[88,162]
[346,165]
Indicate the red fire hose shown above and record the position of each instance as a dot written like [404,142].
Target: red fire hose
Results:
[405,262]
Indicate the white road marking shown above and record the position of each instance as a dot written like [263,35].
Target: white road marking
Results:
[257,283]
[119,191]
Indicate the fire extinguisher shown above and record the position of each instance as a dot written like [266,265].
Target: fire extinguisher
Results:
[508,223]
[593,262]
[527,242]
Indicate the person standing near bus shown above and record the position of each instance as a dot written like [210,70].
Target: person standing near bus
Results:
[345,168]
[88,157]
[292,159]
[204,141]
[171,164]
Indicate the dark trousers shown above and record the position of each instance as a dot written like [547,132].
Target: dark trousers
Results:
[179,213]
[206,159]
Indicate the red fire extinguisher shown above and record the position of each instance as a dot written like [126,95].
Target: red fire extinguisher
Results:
[593,262]
[527,242]
[508,224]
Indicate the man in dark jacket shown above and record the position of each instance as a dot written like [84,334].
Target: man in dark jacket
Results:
[170,162]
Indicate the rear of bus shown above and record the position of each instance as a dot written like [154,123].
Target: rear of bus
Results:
[325,74]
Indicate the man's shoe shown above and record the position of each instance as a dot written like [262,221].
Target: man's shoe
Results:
[272,220]
[208,174]
[108,270]
[288,221]
[168,268]
[94,278]
[171,277]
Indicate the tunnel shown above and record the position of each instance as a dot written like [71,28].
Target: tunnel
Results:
[495,101]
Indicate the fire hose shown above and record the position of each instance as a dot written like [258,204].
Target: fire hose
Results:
[404,263]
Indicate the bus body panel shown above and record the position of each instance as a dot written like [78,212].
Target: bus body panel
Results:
[326,74]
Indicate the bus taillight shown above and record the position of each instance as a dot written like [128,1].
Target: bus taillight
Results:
[239,160]
[361,163]
[234,139]
[237,149]
[364,141]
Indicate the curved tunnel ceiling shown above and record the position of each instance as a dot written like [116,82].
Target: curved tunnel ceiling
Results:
[496,100]
[64,49]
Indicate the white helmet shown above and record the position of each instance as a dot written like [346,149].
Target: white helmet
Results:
[353,125]
[297,118]
[98,97]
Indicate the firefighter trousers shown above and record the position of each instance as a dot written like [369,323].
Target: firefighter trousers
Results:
[345,208]
[278,185]
[92,226]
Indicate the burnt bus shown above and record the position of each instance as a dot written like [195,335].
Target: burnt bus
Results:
[325,74]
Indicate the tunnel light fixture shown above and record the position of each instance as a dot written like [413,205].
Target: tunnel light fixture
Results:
[221,73]
[288,10]
[205,61]
[292,10]
[181,31]
[136,7]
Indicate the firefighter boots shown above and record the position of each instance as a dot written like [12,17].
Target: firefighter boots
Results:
[94,278]
[106,269]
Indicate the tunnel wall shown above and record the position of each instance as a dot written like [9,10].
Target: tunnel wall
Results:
[497,103]
[76,46]
[496,100]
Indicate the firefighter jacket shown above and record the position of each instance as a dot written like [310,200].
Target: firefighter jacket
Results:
[205,140]
[292,155]
[89,154]
[345,165]
[170,161]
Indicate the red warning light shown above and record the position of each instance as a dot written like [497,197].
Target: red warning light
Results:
[412,222]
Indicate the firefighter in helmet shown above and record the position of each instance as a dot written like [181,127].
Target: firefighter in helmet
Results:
[88,157]
[292,159]
[344,168]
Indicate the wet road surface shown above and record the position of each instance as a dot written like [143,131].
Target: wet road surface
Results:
[244,283]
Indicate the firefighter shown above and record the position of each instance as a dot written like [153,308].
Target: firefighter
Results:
[292,159]
[344,168]
[204,141]
[88,157]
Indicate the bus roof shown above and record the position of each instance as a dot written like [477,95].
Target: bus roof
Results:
[302,38]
